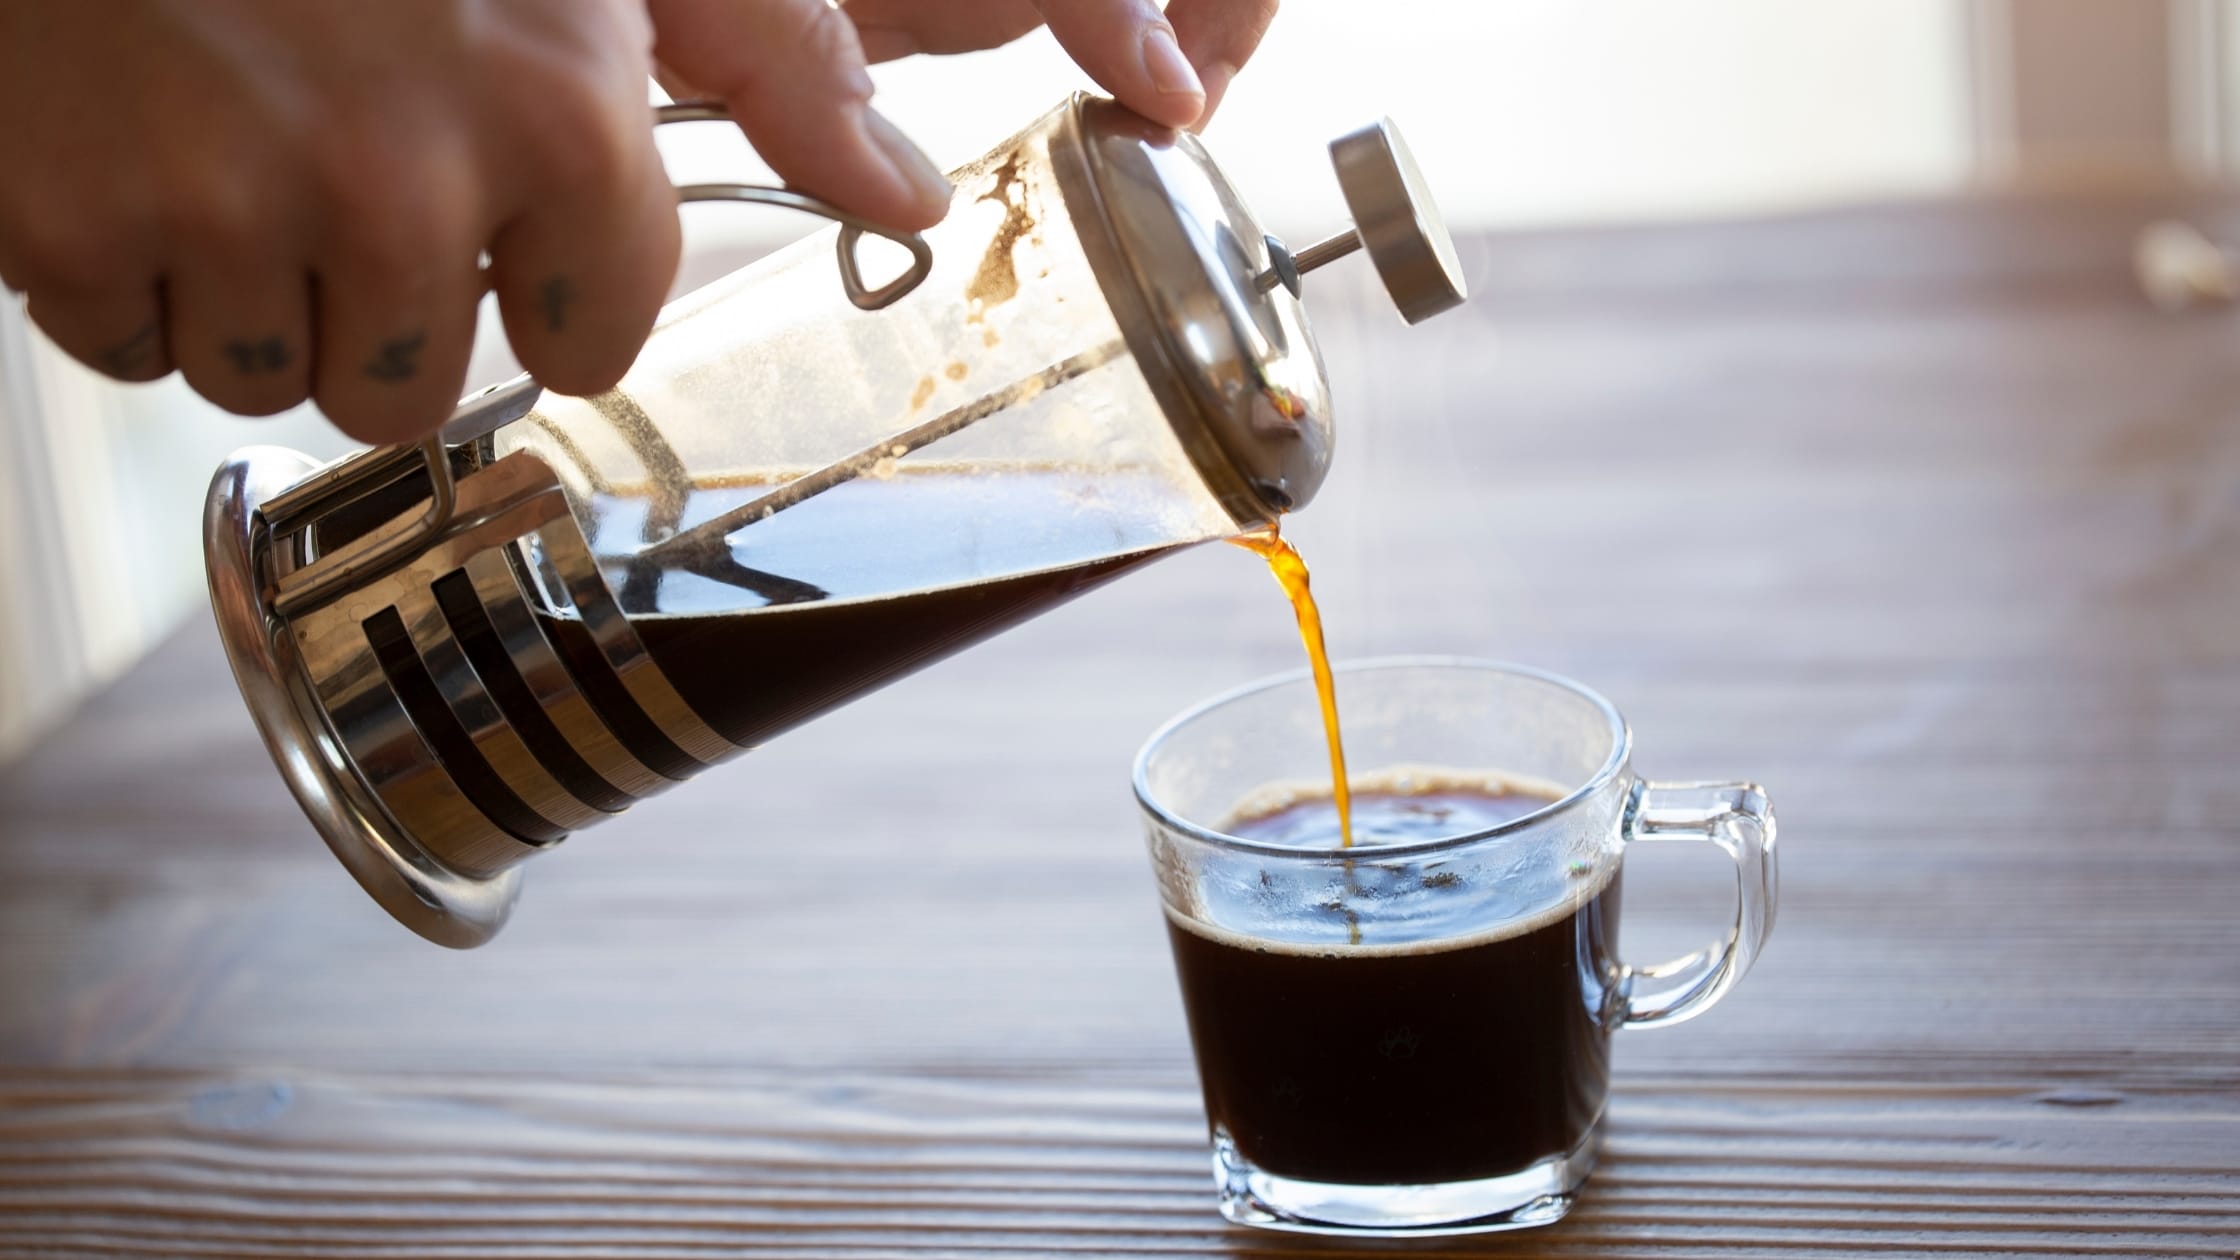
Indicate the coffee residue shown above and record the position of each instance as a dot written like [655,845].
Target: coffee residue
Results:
[997,280]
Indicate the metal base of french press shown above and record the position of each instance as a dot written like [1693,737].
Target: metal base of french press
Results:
[438,902]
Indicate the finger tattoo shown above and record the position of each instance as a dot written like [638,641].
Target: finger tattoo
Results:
[557,295]
[135,354]
[398,359]
[252,358]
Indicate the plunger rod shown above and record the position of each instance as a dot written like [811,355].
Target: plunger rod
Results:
[1286,267]
[1329,250]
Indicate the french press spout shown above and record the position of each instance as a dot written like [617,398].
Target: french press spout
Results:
[463,651]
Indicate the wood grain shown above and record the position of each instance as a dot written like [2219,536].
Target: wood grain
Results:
[1090,1164]
[1917,515]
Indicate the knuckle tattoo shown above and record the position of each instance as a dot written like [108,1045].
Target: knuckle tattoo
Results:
[135,355]
[259,357]
[397,359]
[554,298]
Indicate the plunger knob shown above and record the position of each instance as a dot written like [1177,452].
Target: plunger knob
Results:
[1394,218]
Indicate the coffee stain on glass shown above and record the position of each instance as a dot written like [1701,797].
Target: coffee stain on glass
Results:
[997,279]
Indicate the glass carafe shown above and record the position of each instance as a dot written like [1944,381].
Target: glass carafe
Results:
[806,487]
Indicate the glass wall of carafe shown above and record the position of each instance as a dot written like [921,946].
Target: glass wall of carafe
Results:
[794,501]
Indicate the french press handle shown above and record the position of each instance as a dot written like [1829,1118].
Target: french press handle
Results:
[307,588]
[852,227]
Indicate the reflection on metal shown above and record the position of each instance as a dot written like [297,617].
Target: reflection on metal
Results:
[375,554]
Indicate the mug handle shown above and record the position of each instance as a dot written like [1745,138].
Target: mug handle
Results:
[1738,818]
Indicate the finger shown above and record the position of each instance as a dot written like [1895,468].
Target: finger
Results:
[793,75]
[395,285]
[1219,36]
[889,29]
[390,358]
[580,279]
[586,245]
[117,332]
[241,334]
[1128,47]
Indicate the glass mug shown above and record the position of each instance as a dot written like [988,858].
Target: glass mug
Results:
[1414,1037]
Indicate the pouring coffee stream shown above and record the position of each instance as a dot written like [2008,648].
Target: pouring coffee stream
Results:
[460,653]
[1290,571]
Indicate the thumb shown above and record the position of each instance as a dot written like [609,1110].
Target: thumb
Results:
[793,76]
[1129,47]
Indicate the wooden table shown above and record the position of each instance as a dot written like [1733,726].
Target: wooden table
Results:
[1920,516]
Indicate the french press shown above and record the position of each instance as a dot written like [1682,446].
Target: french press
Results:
[461,651]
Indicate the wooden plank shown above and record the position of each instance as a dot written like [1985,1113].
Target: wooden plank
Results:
[1083,1164]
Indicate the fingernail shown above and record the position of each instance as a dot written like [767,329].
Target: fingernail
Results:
[1169,70]
[912,168]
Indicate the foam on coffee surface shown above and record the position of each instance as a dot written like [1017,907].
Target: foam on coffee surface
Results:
[1277,796]
[1355,902]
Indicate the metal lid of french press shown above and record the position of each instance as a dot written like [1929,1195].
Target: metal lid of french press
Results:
[1210,304]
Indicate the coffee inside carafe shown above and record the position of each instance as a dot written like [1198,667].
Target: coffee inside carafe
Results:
[805,609]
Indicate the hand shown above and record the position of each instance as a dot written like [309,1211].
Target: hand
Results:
[1127,46]
[805,106]
[287,198]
